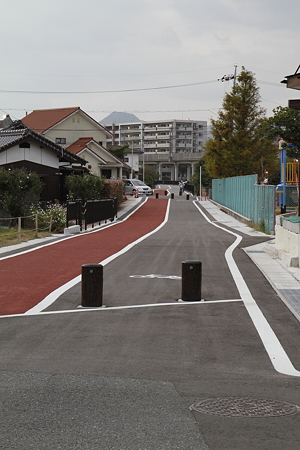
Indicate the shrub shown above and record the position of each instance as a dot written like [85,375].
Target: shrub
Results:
[84,187]
[57,211]
[113,188]
[17,188]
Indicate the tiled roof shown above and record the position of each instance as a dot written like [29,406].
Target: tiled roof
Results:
[41,120]
[9,138]
[82,143]
[79,145]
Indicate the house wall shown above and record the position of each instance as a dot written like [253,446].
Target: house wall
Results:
[34,154]
[93,161]
[133,161]
[74,128]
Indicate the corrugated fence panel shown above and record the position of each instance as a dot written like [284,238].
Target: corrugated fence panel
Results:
[244,196]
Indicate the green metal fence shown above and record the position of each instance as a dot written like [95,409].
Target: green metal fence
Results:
[244,196]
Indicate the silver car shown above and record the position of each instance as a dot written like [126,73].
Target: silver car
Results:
[133,185]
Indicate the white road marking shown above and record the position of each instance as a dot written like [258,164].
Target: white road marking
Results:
[116,308]
[277,354]
[165,187]
[153,275]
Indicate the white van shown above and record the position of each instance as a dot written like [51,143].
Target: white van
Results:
[133,185]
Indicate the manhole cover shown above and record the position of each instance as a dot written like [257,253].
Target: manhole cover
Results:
[245,407]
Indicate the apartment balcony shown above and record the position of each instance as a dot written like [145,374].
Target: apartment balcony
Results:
[156,136]
[181,128]
[184,147]
[155,145]
[156,128]
[131,138]
[129,130]
[148,137]
[181,157]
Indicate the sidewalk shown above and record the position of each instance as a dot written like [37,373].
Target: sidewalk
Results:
[285,280]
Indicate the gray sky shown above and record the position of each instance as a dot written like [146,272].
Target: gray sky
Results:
[83,46]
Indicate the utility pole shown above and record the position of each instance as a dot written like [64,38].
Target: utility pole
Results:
[200,187]
[234,76]
[131,159]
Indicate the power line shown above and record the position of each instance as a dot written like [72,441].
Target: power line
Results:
[112,75]
[108,91]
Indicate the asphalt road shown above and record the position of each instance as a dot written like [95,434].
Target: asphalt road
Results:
[125,376]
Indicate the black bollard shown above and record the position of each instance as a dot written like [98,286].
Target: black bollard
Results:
[91,285]
[166,192]
[156,195]
[187,196]
[172,195]
[191,281]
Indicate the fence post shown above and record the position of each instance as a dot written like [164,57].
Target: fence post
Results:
[36,224]
[19,229]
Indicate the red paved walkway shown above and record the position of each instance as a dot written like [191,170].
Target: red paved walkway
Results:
[26,279]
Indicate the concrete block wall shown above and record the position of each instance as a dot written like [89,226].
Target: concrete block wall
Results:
[287,240]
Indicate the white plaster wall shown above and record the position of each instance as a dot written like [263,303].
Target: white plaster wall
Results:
[91,161]
[74,128]
[133,161]
[33,154]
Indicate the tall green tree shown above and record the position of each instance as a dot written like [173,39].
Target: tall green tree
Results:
[17,189]
[150,176]
[285,124]
[239,145]
[119,151]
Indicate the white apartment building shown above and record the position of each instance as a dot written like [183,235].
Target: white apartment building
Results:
[171,147]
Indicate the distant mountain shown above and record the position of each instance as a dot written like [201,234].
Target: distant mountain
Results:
[119,117]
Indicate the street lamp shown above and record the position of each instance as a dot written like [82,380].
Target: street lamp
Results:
[131,159]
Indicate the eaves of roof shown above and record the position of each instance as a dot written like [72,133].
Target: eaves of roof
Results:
[81,143]
[88,150]
[10,138]
[41,120]
[45,119]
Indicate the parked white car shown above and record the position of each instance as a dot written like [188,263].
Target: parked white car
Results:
[133,185]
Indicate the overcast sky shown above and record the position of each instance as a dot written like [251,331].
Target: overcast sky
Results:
[51,48]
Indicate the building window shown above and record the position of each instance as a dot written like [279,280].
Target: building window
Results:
[60,140]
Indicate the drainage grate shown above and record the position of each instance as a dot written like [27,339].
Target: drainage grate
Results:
[245,407]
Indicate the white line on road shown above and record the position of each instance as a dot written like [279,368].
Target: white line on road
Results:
[154,275]
[116,308]
[277,354]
